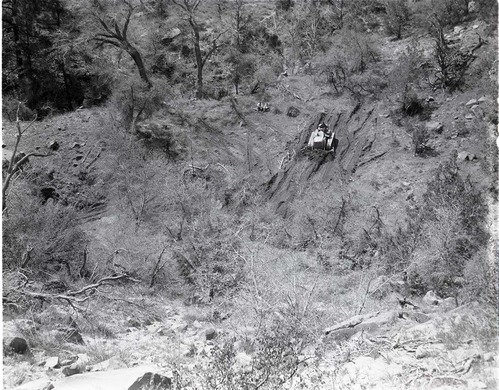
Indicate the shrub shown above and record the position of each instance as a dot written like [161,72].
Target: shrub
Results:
[202,244]
[442,236]
[451,62]
[351,54]
[275,361]
[397,17]
[420,137]
[408,78]
[133,101]
[481,279]
[411,104]
[42,238]
[210,264]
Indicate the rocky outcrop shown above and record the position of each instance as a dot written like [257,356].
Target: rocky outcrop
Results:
[439,342]
[39,384]
[134,378]
[151,381]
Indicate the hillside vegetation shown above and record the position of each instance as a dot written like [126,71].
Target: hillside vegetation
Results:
[159,231]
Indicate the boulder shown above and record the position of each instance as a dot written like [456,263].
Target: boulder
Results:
[435,127]
[372,323]
[448,304]
[151,381]
[415,316]
[463,156]
[52,362]
[15,344]
[121,379]
[170,35]
[77,367]
[431,299]
[67,362]
[109,364]
[429,350]
[53,145]
[73,369]
[210,334]
[39,384]
[293,112]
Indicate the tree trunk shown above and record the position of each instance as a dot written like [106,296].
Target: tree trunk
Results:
[67,86]
[27,81]
[137,58]
[199,58]
[200,92]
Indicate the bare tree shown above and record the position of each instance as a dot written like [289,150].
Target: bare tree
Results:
[17,159]
[190,7]
[116,36]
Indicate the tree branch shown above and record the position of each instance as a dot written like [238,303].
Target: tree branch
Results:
[127,21]
[214,47]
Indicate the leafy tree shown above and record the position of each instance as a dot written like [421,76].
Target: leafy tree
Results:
[241,62]
[189,7]
[29,28]
[452,63]
[397,17]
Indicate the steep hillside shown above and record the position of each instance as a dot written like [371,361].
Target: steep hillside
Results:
[157,240]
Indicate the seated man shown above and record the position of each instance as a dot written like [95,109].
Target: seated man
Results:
[259,106]
[266,107]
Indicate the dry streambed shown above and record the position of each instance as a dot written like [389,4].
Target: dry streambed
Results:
[431,343]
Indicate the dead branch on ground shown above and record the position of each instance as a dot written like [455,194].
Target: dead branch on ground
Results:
[72,297]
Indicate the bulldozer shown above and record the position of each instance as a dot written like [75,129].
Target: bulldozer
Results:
[322,138]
